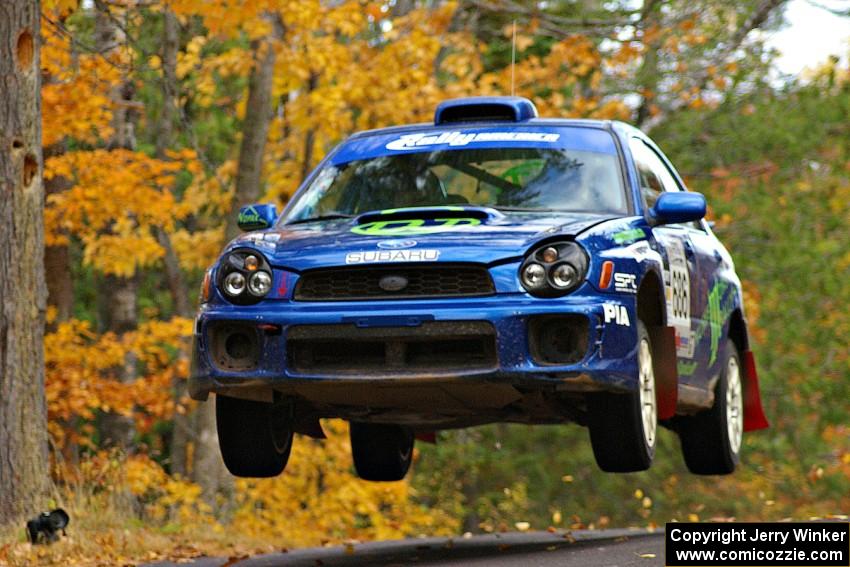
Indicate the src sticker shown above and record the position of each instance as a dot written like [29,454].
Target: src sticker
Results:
[455,139]
[405,227]
[372,256]
[616,314]
[626,283]
[677,289]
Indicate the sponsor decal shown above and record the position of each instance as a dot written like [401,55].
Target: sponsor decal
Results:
[629,236]
[460,139]
[616,314]
[375,256]
[719,308]
[677,289]
[413,226]
[686,368]
[396,244]
[250,218]
[626,283]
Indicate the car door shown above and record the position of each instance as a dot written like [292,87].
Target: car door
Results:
[685,287]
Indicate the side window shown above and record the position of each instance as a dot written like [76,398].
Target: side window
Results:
[651,167]
[651,185]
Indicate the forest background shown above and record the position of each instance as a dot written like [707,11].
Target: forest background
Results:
[160,118]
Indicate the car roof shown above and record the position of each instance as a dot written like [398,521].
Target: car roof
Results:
[431,127]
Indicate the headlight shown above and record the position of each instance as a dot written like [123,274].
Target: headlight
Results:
[534,276]
[554,269]
[244,277]
[564,276]
[234,284]
[259,284]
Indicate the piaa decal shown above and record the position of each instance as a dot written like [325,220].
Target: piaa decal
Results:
[616,314]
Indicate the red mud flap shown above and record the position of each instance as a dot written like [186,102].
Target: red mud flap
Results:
[754,418]
[666,374]
[427,437]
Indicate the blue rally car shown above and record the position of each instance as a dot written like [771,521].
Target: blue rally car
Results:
[489,267]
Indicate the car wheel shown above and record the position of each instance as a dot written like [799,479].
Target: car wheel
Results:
[381,452]
[255,438]
[711,440]
[623,427]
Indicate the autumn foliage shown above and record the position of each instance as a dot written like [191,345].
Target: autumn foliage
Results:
[690,70]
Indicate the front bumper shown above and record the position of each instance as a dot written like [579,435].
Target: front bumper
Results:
[609,362]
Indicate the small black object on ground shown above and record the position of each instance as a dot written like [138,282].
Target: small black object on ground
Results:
[45,527]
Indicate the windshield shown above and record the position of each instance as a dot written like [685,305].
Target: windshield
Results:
[535,179]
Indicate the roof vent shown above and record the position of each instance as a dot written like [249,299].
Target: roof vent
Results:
[485,109]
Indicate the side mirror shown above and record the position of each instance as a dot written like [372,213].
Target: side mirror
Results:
[675,207]
[257,217]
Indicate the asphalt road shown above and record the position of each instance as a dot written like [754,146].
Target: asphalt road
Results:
[599,548]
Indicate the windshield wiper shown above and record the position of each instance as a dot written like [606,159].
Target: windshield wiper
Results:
[321,218]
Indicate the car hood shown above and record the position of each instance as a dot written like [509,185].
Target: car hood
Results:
[455,234]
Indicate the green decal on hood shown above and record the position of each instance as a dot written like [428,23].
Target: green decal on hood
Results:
[629,236]
[406,227]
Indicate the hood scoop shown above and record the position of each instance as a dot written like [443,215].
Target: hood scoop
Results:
[446,213]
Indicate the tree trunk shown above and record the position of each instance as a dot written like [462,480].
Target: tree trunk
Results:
[57,259]
[170,46]
[24,472]
[255,128]
[310,135]
[119,292]
[181,432]
[648,75]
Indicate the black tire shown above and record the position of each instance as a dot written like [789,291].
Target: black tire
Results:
[381,452]
[617,432]
[707,443]
[255,438]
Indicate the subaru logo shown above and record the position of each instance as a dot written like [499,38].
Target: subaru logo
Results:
[392,283]
[396,244]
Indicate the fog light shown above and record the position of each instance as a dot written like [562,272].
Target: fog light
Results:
[564,276]
[259,284]
[534,276]
[234,284]
[238,346]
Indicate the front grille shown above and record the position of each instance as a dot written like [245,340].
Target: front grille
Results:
[434,346]
[364,282]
